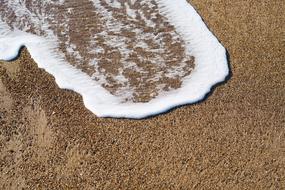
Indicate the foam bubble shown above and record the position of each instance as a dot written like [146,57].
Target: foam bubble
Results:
[210,63]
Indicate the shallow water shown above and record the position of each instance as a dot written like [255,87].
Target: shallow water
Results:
[134,50]
[126,46]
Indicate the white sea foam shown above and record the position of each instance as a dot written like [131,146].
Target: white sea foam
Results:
[210,63]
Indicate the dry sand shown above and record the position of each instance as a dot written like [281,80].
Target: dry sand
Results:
[233,140]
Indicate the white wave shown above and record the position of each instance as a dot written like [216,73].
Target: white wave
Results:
[210,64]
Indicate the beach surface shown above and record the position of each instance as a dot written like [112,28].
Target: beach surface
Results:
[235,139]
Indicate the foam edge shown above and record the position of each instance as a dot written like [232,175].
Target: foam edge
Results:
[211,66]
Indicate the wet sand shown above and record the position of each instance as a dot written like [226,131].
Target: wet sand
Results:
[138,56]
[233,140]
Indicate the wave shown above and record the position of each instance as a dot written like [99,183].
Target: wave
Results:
[129,59]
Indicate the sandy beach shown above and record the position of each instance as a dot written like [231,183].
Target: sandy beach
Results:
[235,139]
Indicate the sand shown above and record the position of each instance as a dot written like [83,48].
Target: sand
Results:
[235,139]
